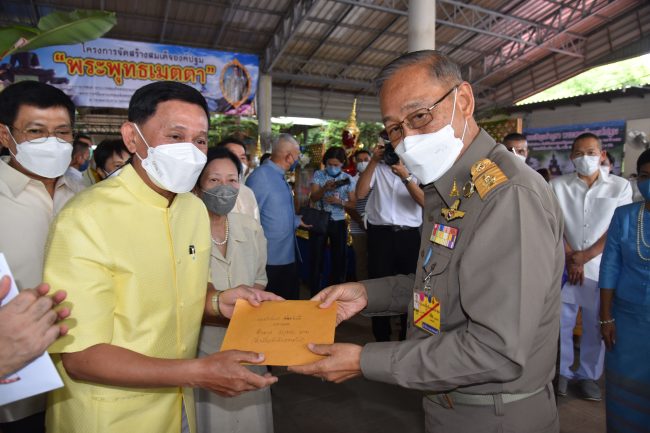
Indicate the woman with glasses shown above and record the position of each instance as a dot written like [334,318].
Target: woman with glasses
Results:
[625,311]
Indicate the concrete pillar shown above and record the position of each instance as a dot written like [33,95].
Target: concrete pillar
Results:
[422,25]
[264,106]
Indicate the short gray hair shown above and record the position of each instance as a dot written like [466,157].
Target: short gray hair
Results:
[282,143]
[441,67]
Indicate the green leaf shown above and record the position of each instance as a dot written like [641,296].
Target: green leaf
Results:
[67,28]
[10,35]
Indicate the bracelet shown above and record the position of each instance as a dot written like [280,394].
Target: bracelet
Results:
[215,304]
[606,322]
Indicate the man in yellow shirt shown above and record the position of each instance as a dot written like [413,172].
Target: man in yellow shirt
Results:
[134,253]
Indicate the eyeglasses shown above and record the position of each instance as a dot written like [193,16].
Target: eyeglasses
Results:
[416,120]
[40,135]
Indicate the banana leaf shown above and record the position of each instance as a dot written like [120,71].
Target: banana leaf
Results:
[57,28]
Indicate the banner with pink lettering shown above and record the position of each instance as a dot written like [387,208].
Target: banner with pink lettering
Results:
[106,72]
[550,147]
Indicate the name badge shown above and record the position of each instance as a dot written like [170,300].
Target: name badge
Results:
[426,312]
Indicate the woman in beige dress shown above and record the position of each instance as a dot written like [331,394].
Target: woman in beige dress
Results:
[238,257]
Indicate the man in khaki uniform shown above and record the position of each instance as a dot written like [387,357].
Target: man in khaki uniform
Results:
[484,302]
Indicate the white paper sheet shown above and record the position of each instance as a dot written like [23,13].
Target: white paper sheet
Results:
[37,377]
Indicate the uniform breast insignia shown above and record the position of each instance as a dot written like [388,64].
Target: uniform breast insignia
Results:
[451,213]
[486,176]
[444,235]
[454,190]
[468,189]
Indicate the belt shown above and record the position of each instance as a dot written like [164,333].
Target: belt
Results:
[447,400]
[393,227]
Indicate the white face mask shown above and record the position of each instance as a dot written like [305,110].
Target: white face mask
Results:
[587,165]
[49,159]
[173,167]
[361,166]
[430,156]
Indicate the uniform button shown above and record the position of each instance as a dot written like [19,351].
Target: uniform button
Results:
[182,304]
[183,348]
[178,262]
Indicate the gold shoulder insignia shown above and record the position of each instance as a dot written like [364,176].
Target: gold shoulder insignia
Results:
[486,176]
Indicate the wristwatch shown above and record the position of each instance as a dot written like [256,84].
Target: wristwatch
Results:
[408,179]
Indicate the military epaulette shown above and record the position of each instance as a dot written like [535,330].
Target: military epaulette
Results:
[486,176]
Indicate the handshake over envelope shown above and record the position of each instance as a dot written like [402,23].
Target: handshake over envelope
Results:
[281,330]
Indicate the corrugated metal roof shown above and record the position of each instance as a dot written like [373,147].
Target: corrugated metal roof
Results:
[508,49]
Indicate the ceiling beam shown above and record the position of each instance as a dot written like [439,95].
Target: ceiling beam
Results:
[476,19]
[322,80]
[285,31]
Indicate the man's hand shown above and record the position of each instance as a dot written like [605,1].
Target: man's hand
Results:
[349,297]
[576,274]
[254,296]
[28,325]
[608,332]
[223,373]
[378,153]
[577,258]
[343,362]
[400,170]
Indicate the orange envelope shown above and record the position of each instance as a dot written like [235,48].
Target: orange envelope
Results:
[280,330]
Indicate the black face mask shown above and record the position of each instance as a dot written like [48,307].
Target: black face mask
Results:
[220,199]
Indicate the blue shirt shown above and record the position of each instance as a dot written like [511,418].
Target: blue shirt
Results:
[321,177]
[277,215]
[621,268]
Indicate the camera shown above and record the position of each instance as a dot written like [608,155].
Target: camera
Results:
[390,157]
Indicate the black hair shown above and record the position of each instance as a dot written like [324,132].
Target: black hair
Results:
[79,136]
[228,140]
[78,147]
[514,136]
[545,172]
[611,159]
[32,93]
[106,149]
[336,152]
[644,158]
[360,151]
[585,135]
[145,100]
[221,153]
[264,157]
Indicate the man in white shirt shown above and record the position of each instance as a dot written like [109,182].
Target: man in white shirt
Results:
[79,163]
[246,202]
[36,123]
[394,216]
[588,199]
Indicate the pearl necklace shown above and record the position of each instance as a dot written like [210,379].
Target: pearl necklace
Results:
[639,235]
[225,239]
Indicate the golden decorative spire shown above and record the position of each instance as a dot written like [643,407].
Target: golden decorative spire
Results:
[258,148]
[352,121]
[454,190]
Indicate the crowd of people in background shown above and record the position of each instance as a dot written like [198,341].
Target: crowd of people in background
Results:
[155,235]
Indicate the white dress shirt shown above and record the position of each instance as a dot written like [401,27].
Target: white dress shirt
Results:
[390,202]
[26,211]
[588,211]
